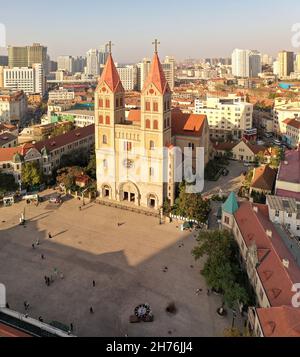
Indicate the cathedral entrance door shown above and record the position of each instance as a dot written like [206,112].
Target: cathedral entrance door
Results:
[126,196]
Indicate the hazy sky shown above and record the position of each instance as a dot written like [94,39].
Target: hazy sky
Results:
[191,28]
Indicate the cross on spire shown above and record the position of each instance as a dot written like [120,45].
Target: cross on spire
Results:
[110,44]
[156,43]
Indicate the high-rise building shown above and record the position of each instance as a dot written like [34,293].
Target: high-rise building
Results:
[29,80]
[286,63]
[65,63]
[143,69]
[103,54]
[267,60]
[128,76]
[169,69]
[26,56]
[246,63]
[92,63]
[78,64]
[297,63]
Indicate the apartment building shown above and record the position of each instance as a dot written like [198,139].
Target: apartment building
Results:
[128,76]
[291,130]
[61,94]
[246,63]
[282,111]
[227,116]
[29,80]
[285,64]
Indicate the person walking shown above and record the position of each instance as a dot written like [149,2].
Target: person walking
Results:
[71,327]
[49,235]
[94,284]
[33,246]
[91,310]
[37,242]
[42,256]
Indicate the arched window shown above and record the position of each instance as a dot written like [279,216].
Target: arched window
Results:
[155,125]
[152,145]
[107,120]
[107,103]
[100,119]
[100,103]
[155,107]
[148,124]
[148,107]
[105,163]
[104,139]
[151,171]
[117,102]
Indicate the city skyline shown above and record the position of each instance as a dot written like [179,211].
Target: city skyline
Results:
[203,33]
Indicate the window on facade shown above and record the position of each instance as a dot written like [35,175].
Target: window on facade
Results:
[148,124]
[155,125]
[148,107]
[121,102]
[226,220]
[104,139]
[152,145]
[105,164]
[127,146]
[117,102]
[107,103]
[100,103]
[107,120]
[192,145]
[100,119]
[155,107]
[290,215]
[151,171]
[168,122]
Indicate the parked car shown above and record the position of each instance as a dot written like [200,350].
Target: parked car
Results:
[55,199]
[247,164]
[277,142]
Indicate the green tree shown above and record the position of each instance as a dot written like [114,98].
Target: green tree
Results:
[221,269]
[7,183]
[31,174]
[92,167]
[66,176]
[192,205]
[78,157]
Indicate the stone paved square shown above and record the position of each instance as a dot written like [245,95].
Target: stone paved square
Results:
[126,262]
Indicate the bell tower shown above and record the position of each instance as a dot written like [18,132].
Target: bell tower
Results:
[109,111]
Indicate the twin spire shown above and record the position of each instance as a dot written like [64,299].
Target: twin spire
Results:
[156,76]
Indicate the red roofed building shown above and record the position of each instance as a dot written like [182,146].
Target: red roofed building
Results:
[291,129]
[270,265]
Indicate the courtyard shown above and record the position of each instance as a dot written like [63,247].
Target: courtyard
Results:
[123,252]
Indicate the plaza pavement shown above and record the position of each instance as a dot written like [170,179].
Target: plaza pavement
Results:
[125,261]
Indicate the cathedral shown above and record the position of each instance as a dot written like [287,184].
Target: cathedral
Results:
[135,154]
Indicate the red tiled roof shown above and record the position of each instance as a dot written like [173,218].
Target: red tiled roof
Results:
[187,124]
[264,178]
[288,194]
[276,279]
[292,122]
[224,146]
[134,115]
[7,154]
[65,139]
[157,77]
[280,321]
[110,76]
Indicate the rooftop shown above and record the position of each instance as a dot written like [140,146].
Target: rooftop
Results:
[187,124]
[264,178]
[289,170]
